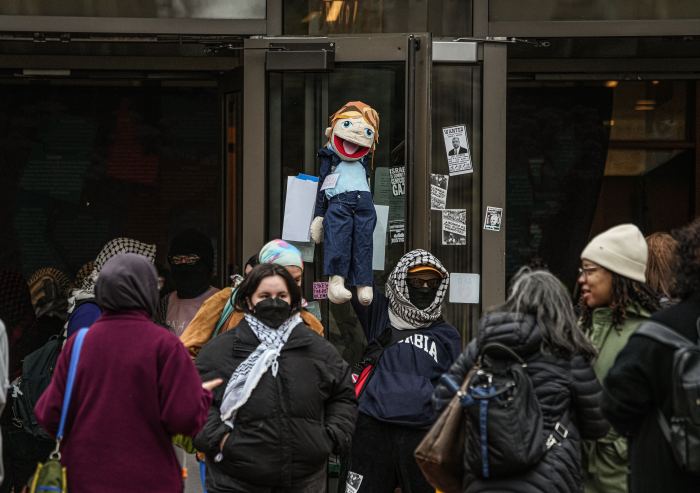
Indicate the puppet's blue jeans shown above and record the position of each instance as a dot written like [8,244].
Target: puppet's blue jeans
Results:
[348,226]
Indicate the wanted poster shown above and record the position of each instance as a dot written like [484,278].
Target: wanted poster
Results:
[438,191]
[459,158]
[397,175]
[397,232]
[454,227]
[493,218]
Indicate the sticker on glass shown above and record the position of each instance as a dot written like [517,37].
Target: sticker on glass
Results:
[397,175]
[459,158]
[320,290]
[397,231]
[493,218]
[352,485]
[438,191]
[454,227]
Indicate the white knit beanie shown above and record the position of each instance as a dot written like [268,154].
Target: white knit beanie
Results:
[622,250]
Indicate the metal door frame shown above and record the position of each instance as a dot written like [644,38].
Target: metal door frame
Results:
[412,49]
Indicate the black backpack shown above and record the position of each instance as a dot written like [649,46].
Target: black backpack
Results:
[683,431]
[37,369]
[504,431]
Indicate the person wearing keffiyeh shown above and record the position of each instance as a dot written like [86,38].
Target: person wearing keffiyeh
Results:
[410,346]
[82,308]
[288,402]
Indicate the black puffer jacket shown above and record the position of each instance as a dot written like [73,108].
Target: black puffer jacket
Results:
[567,391]
[290,424]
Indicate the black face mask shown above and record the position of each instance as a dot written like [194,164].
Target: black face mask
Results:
[272,312]
[191,280]
[422,298]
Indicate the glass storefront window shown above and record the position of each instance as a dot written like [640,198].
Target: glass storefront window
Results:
[577,10]
[453,90]
[322,17]
[83,165]
[187,9]
[585,156]
[299,106]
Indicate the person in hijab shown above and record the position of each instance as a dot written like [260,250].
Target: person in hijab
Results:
[218,314]
[410,346]
[49,288]
[82,309]
[191,259]
[135,387]
[289,401]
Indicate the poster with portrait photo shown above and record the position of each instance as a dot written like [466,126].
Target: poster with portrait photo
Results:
[493,218]
[454,227]
[438,191]
[459,158]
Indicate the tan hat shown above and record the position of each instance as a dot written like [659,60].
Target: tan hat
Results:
[621,249]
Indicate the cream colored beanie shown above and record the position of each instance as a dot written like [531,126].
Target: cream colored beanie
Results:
[621,249]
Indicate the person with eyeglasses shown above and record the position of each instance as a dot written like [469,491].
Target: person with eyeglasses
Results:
[614,301]
[410,347]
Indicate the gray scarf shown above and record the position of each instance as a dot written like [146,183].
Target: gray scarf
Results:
[127,281]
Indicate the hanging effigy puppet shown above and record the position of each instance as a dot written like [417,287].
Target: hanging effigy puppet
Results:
[345,217]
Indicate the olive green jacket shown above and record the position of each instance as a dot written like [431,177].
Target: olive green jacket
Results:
[606,458]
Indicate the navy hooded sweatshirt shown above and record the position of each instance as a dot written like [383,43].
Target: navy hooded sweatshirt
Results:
[401,387]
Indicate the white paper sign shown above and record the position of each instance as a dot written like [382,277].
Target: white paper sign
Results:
[464,288]
[379,238]
[330,181]
[299,208]
[459,157]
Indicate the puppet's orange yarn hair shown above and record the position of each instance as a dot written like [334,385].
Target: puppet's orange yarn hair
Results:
[353,109]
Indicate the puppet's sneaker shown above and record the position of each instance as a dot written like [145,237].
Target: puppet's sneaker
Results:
[337,293]
[365,294]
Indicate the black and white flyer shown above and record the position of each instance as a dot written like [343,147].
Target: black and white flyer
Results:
[493,218]
[397,175]
[454,227]
[397,231]
[459,158]
[438,191]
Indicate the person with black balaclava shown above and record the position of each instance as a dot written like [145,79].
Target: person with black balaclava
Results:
[410,347]
[191,259]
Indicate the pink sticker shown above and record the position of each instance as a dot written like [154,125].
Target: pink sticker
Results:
[320,290]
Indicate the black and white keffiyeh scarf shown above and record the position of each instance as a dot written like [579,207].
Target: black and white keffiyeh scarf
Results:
[402,313]
[111,248]
[248,374]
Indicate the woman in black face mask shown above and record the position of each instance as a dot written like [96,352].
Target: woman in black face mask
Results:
[289,401]
[410,347]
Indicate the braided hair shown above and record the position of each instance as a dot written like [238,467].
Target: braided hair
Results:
[625,292]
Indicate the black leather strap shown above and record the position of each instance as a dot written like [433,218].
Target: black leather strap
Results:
[664,335]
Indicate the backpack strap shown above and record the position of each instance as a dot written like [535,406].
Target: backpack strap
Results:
[664,335]
[663,424]
[72,370]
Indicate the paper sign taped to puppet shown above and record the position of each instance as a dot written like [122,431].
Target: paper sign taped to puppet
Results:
[459,157]
[299,208]
[438,191]
[330,181]
[397,231]
[464,288]
[397,175]
[379,239]
[454,227]
[320,290]
[493,218]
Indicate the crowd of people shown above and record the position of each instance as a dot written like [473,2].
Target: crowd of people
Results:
[246,378]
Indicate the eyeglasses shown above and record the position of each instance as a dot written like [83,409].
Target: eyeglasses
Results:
[183,259]
[416,282]
[586,271]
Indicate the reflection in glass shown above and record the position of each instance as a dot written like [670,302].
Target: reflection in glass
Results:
[576,10]
[82,165]
[187,9]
